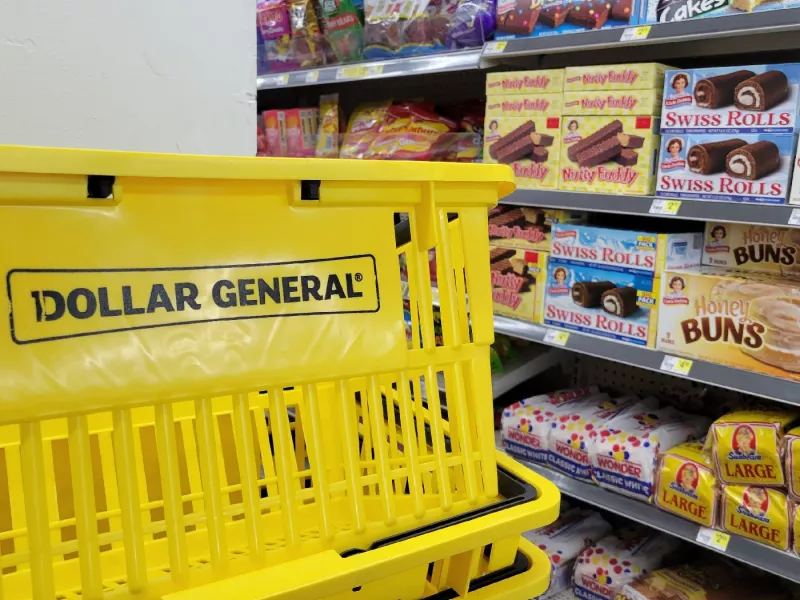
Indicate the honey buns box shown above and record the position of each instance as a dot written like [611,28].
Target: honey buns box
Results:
[752,248]
[737,167]
[518,282]
[527,227]
[686,485]
[750,321]
[531,145]
[728,100]
[758,513]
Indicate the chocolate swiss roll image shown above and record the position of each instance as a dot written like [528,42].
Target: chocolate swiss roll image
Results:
[718,91]
[753,161]
[620,302]
[587,294]
[709,158]
[762,92]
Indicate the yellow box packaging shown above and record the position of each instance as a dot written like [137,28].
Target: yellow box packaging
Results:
[686,485]
[525,82]
[752,248]
[528,227]
[518,282]
[747,321]
[524,105]
[757,513]
[791,455]
[796,528]
[747,446]
[643,76]
[539,168]
[613,102]
[631,170]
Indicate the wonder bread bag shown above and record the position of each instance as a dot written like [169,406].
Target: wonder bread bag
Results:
[791,455]
[758,513]
[525,425]
[686,485]
[747,446]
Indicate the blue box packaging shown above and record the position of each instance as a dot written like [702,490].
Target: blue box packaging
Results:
[670,11]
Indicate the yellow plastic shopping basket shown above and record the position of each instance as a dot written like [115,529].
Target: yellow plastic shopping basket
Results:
[151,299]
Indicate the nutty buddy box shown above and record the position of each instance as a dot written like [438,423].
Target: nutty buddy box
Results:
[753,248]
[643,76]
[517,276]
[753,99]
[613,102]
[548,81]
[527,227]
[531,145]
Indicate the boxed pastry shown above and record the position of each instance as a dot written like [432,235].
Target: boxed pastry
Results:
[636,252]
[791,456]
[522,105]
[726,100]
[669,11]
[796,528]
[750,322]
[755,167]
[753,248]
[547,81]
[609,155]
[527,227]
[757,513]
[515,274]
[642,76]
[613,102]
[611,304]
[685,484]
[794,193]
[523,18]
[531,145]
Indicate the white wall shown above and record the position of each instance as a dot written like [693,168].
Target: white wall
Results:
[149,75]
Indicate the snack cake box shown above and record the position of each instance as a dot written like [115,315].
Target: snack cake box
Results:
[741,167]
[636,252]
[613,102]
[669,11]
[522,105]
[527,227]
[792,464]
[794,193]
[531,145]
[685,484]
[757,513]
[642,76]
[517,282]
[752,248]
[609,154]
[752,99]
[717,315]
[548,81]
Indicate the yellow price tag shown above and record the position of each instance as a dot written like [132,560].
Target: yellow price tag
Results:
[358,71]
[665,207]
[495,47]
[635,33]
[714,539]
[554,336]
[312,76]
[675,365]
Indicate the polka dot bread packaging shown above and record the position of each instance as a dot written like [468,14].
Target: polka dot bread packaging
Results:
[565,539]
[625,450]
[603,569]
[571,432]
[685,484]
[746,446]
[526,424]
[792,462]
[758,513]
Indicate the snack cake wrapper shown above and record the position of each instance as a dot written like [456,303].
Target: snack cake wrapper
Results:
[686,484]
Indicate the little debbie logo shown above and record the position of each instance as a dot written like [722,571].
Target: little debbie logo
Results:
[51,304]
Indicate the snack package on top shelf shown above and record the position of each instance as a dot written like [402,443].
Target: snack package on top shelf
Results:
[685,484]
[526,424]
[757,513]
[753,248]
[472,25]
[328,130]
[747,446]
[625,450]
[291,34]
[343,29]
[564,540]
[365,122]
[791,454]
[394,29]
[520,18]
[603,569]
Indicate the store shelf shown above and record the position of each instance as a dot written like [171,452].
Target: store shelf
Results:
[532,362]
[758,555]
[697,210]
[399,67]
[782,390]
[687,38]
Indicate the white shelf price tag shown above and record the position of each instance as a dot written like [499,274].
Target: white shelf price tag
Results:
[676,365]
[554,336]
[632,34]
[494,47]
[794,218]
[713,538]
[665,207]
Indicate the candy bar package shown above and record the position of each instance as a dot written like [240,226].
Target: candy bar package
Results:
[517,282]
[791,454]
[625,450]
[609,155]
[550,81]
[523,18]
[521,105]
[613,102]
[473,24]
[527,227]
[614,305]
[731,100]
[573,430]
[752,248]
[749,321]
[603,569]
[343,29]
[290,34]
[531,145]
[301,132]
[275,132]
[526,424]
[641,76]
[564,540]
[686,485]
[740,167]
[758,513]
[636,252]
